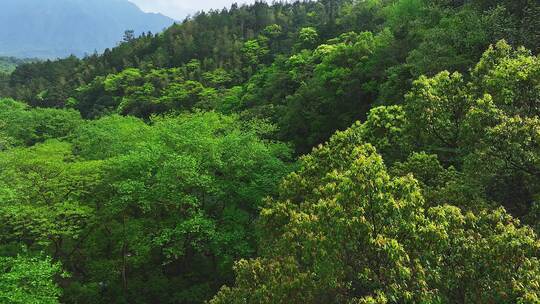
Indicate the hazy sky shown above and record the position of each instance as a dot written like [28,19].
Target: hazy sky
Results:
[178,9]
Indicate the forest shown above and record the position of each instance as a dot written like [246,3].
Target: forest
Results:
[330,151]
[8,65]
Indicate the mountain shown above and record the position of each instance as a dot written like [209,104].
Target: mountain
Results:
[59,28]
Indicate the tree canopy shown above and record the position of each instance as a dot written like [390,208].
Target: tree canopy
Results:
[332,151]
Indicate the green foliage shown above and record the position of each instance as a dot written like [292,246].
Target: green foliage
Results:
[439,103]
[170,190]
[426,38]
[9,64]
[307,38]
[342,230]
[142,201]
[385,129]
[43,191]
[143,94]
[486,126]
[25,280]
[22,126]
[340,91]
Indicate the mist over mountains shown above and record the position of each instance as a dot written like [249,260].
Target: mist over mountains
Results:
[59,28]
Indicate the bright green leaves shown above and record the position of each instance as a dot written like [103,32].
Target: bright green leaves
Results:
[119,200]
[512,78]
[22,126]
[158,208]
[142,93]
[343,231]
[28,280]
[307,38]
[486,127]
[47,174]
[42,225]
[122,80]
[481,254]
[262,49]
[337,219]
[339,91]
[440,105]
[43,193]
[516,142]
[254,52]
[188,95]
[109,137]
[218,78]
[177,199]
[385,128]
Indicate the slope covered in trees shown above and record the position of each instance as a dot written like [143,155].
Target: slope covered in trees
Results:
[169,169]
[8,64]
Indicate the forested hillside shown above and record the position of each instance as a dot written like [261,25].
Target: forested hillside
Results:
[334,151]
[8,64]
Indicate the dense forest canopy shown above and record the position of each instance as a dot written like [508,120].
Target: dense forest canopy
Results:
[332,151]
[8,64]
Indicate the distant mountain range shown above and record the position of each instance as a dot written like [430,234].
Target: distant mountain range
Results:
[59,28]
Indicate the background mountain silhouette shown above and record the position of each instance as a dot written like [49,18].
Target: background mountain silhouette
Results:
[59,28]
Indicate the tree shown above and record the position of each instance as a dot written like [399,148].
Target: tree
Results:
[308,38]
[339,91]
[160,190]
[440,104]
[129,35]
[485,127]
[28,280]
[45,195]
[176,203]
[342,230]
[25,126]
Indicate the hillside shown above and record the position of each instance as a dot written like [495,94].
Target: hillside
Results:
[332,151]
[8,64]
[58,28]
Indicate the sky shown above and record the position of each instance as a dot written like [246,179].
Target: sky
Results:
[179,9]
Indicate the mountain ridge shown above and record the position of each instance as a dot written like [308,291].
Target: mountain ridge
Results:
[59,28]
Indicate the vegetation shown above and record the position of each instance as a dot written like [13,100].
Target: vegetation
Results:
[380,151]
[8,64]
[28,280]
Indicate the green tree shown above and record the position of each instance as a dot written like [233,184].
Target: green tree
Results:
[177,204]
[340,91]
[486,126]
[308,38]
[25,280]
[25,126]
[342,230]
